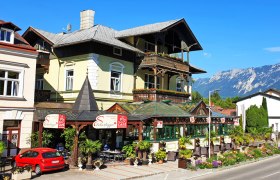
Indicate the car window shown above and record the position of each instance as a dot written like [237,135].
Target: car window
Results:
[51,154]
[26,154]
[34,154]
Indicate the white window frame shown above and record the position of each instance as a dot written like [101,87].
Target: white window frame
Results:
[70,77]
[11,37]
[39,84]
[20,81]
[181,82]
[117,67]
[146,83]
[114,51]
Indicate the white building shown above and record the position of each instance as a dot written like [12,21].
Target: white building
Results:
[273,103]
[17,84]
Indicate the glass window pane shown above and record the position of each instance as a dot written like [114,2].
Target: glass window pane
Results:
[9,88]
[13,75]
[15,88]
[2,73]
[2,36]
[8,36]
[2,87]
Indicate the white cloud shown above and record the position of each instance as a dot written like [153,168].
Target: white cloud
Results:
[272,49]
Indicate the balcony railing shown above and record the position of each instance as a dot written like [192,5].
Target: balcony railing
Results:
[42,95]
[43,58]
[165,61]
[160,95]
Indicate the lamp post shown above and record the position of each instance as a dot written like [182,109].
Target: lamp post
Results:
[209,123]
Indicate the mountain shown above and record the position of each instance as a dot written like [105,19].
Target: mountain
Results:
[240,82]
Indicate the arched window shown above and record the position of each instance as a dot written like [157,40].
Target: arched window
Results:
[116,70]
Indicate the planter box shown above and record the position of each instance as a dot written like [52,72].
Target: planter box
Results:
[23,175]
[183,163]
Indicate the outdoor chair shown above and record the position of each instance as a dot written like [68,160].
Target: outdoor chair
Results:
[228,146]
[223,147]
[2,165]
[216,149]
[204,151]
[171,156]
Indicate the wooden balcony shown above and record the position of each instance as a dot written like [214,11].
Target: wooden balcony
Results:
[160,95]
[166,62]
[42,95]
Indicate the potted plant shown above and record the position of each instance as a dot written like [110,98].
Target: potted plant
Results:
[184,154]
[144,147]
[89,147]
[160,156]
[129,151]
[19,173]
[98,163]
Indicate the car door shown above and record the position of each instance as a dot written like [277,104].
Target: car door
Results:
[23,159]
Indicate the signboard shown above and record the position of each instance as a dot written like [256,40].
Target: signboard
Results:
[236,122]
[223,120]
[159,124]
[110,121]
[56,121]
[192,120]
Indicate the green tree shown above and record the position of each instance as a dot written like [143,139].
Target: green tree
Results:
[46,138]
[68,135]
[196,97]
[251,117]
[264,105]
[89,147]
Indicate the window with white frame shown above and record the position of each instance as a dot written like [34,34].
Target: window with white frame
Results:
[6,35]
[10,83]
[150,81]
[69,79]
[116,76]
[39,82]
[179,84]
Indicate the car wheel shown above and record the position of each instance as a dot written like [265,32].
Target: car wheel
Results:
[38,170]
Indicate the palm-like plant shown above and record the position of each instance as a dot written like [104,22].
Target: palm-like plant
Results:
[237,134]
[2,147]
[89,147]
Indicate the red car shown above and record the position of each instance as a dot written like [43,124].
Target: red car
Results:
[41,160]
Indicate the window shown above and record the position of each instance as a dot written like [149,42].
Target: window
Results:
[150,81]
[149,47]
[166,133]
[179,84]
[117,51]
[116,76]
[69,79]
[9,83]
[6,35]
[39,82]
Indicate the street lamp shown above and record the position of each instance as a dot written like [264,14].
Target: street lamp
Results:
[209,119]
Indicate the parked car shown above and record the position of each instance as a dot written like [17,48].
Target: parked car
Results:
[41,160]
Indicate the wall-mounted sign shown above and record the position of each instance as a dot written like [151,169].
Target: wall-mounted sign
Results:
[159,124]
[110,121]
[236,122]
[192,120]
[56,121]
[223,120]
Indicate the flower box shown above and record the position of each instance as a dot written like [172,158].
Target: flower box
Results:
[22,175]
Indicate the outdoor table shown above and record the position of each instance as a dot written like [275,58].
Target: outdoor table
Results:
[113,154]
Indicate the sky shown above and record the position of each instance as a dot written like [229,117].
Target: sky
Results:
[234,34]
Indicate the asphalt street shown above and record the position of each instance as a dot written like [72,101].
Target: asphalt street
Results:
[268,169]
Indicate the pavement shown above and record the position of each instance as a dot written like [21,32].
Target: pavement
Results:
[165,171]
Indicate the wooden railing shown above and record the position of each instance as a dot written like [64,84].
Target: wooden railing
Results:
[160,95]
[174,64]
[43,58]
[42,95]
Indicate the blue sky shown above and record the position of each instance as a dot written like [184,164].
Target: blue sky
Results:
[233,34]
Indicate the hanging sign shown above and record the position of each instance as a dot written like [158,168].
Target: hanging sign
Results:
[56,121]
[110,121]
[192,120]
[236,122]
[223,120]
[208,119]
[159,124]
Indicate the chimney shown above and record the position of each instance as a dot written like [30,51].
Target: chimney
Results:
[87,19]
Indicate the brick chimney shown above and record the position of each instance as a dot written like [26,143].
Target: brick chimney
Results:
[87,19]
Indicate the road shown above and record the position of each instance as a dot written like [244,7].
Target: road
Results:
[268,169]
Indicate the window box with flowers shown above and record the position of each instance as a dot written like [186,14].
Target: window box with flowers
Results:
[19,173]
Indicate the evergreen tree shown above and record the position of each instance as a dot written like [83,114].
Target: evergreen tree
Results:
[251,117]
[264,105]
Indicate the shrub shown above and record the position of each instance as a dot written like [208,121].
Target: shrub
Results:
[240,157]
[160,155]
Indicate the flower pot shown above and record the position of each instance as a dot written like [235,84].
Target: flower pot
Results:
[183,163]
[24,175]
[89,166]
[160,161]
[145,162]
[80,167]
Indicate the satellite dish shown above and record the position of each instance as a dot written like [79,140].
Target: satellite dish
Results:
[69,27]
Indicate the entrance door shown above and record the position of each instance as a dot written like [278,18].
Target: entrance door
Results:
[11,139]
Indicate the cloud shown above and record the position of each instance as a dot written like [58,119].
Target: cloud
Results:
[272,49]
[205,54]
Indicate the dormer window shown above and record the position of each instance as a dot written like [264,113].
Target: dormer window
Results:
[6,35]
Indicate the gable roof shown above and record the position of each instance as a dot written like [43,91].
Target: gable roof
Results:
[257,94]
[146,29]
[276,91]
[9,25]
[160,109]
[97,33]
